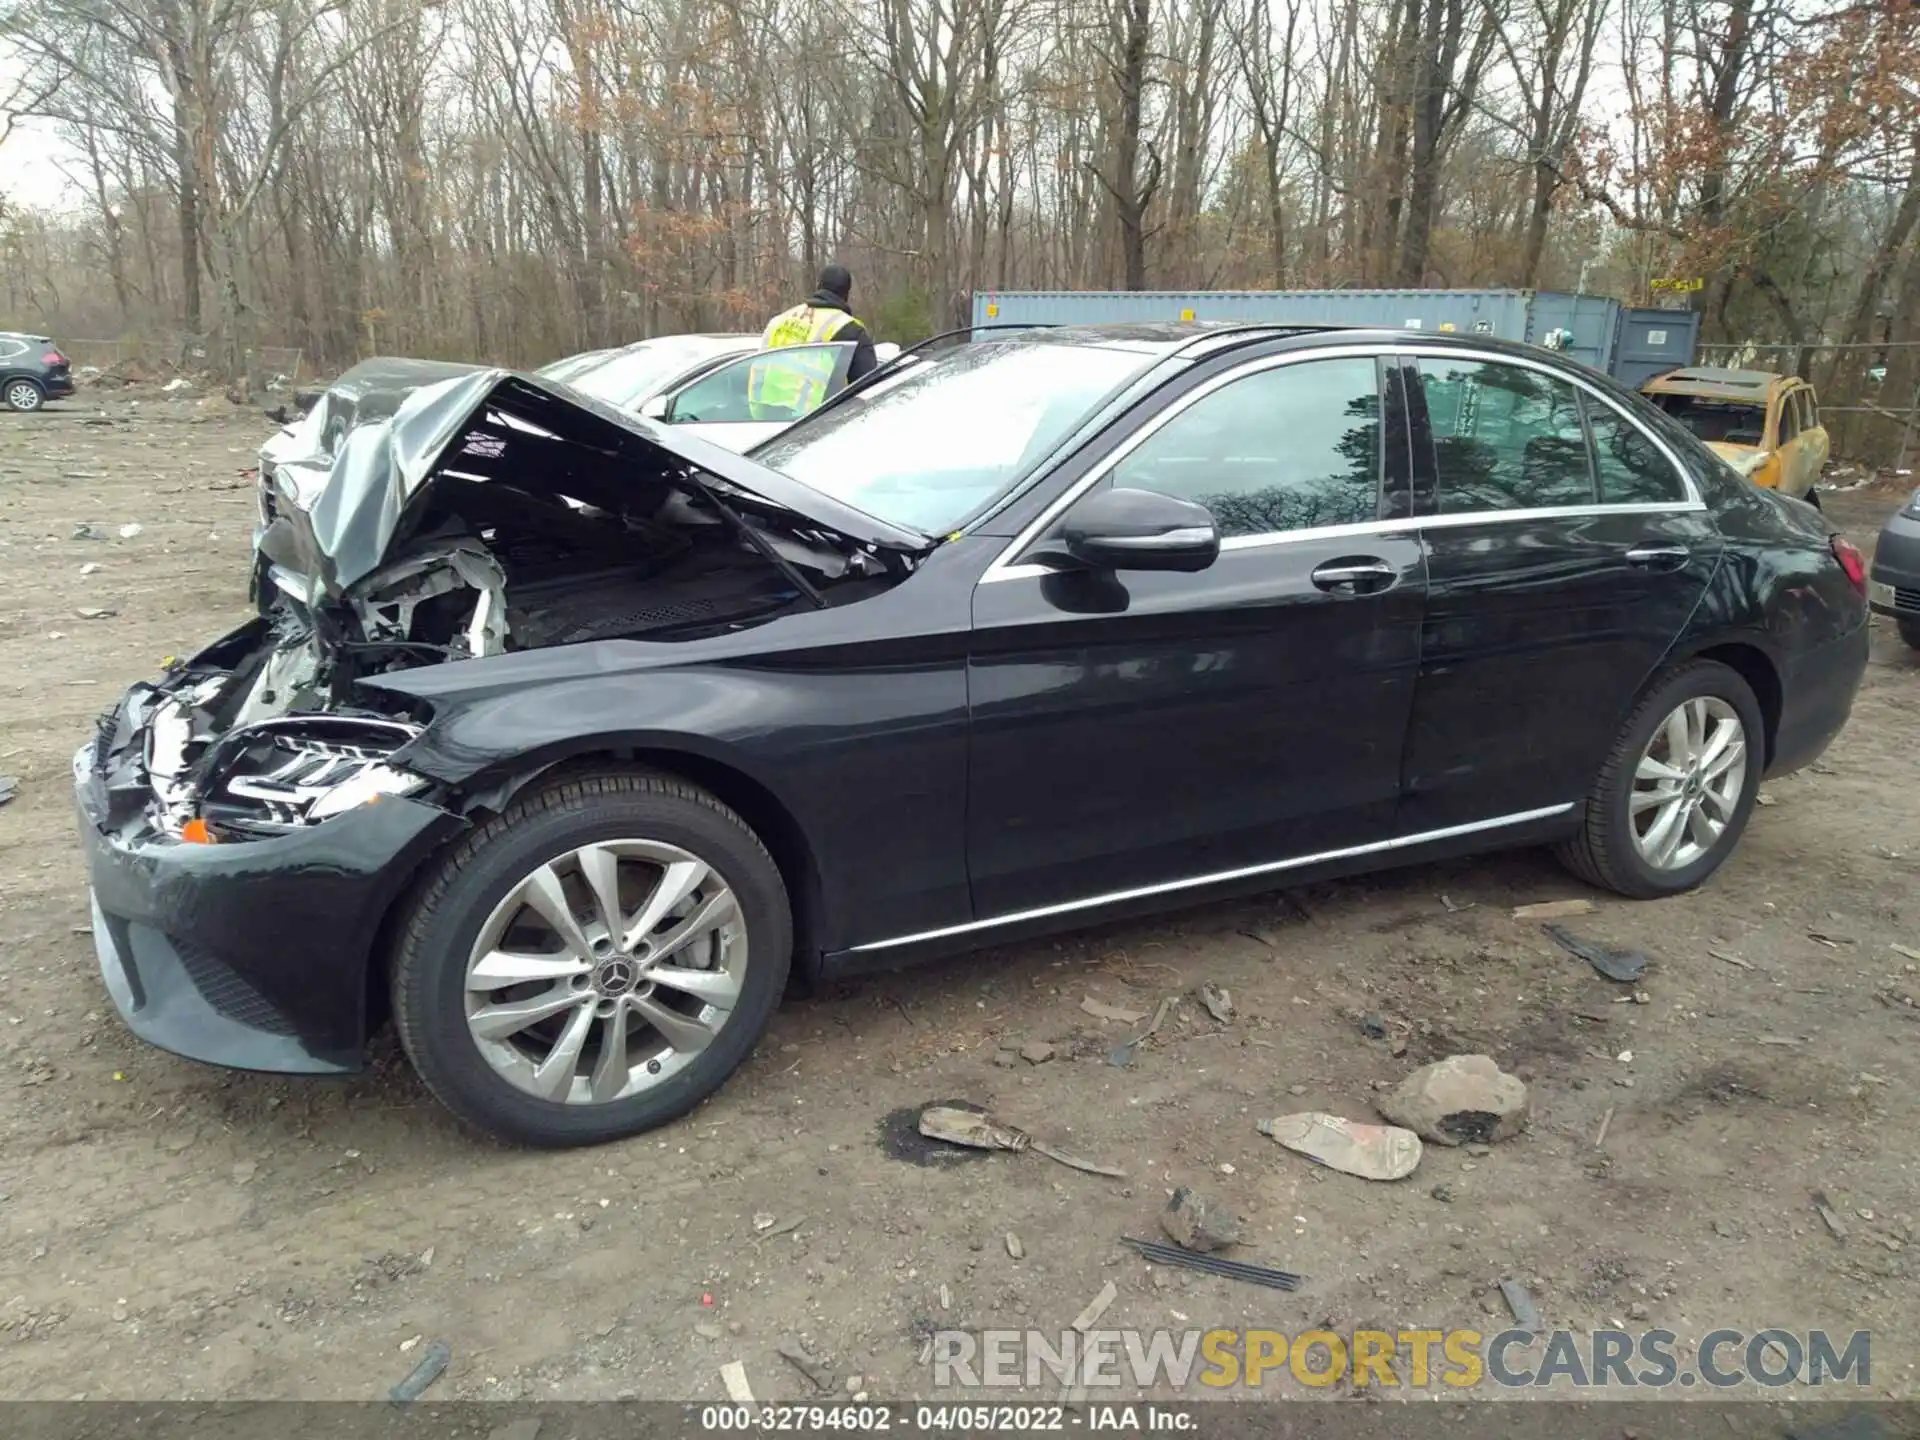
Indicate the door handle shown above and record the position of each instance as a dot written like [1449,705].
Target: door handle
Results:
[1365,574]
[1659,557]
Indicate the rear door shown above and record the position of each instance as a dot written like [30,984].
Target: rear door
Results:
[1157,730]
[1566,551]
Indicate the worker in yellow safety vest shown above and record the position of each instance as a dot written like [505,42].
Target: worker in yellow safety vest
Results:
[789,387]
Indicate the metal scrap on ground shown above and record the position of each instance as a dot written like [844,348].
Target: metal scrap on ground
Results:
[981,1131]
[1624,966]
[1552,909]
[432,1366]
[1172,1255]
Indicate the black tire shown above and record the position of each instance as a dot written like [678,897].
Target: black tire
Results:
[24,395]
[452,903]
[1909,627]
[1603,853]
[1812,497]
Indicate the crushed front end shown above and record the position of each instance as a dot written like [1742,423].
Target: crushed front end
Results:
[231,926]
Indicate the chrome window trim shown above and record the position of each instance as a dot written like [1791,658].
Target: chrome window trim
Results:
[1003,567]
[1142,892]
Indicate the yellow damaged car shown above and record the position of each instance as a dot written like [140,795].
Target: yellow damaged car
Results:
[1767,426]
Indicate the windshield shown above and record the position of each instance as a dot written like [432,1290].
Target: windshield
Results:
[1730,422]
[631,376]
[927,448]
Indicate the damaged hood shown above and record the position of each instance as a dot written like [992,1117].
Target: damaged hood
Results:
[1745,459]
[355,488]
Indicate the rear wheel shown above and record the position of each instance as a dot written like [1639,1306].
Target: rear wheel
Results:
[593,962]
[1672,799]
[1910,630]
[24,395]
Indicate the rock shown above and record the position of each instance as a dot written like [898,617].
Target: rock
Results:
[1638,1311]
[1442,1193]
[1006,1059]
[131,529]
[1217,1002]
[1014,1247]
[1036,1052]
[1462,1099]
[1296,1089]
[854,1382]
[1199,1222]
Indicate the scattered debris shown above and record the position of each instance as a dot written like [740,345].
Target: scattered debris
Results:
[1831,1217]
[1732,959]
[1373,1027]
[785,1227]
[1763,798]
[1778,1040]
[1600,1137]
[980,1131]
[1453,909]
[10,787]
[432,1366]
[1442,1193]
[901,1138]
[1553,909]
[733,1375]
[95,612]
[1462,1098]
[1075,1162]
[131,529]
[1123,1053]
[1172,1255]
[179,385]
[1622,965]
[1525,1313]
[822,1378]
[1036,1052]
[1014,1247]
[763,1221]
[946,1298]
[83,531]
[1218,1002]
[1102,1011]
[1372,1152]
[1096,1307]
[1906,951]
[974,1128]
[89,567]
[1200,1222]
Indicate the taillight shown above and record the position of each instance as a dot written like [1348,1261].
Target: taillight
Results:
[53,357]
[1851,561]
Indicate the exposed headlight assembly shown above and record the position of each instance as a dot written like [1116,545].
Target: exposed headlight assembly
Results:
[283,774]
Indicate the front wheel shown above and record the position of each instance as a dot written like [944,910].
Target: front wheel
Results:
[1673,797]
[24,395]
[593,962]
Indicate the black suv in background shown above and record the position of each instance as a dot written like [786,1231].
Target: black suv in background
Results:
[32,371]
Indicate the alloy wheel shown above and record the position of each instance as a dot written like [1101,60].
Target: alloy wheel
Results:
[21,395]
[1688,783]
[605,971]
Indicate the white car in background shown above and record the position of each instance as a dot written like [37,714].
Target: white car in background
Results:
[701,381]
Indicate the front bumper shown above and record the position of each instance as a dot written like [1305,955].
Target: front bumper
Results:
[254,955]
[1893,586]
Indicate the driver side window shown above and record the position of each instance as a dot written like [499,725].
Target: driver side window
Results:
[779,385]
[1295,447]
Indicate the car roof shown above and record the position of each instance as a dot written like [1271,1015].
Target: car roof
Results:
[1716,383]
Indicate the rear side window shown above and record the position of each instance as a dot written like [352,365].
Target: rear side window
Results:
[1504,437]
[1809,409]
[1296,447]
[1627,466]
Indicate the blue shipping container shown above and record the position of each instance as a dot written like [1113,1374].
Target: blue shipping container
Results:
[1601,329]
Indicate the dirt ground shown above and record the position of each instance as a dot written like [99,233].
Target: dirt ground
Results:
[171,1230]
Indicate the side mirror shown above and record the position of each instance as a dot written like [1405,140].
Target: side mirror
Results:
[655,407]
[1141,530]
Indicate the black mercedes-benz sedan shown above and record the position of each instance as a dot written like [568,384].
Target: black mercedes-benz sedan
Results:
[564,737]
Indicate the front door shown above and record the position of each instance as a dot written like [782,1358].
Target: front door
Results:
[1139,729]
[1565,554]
